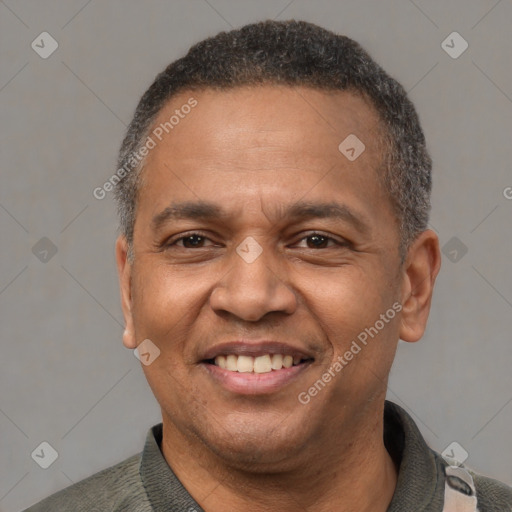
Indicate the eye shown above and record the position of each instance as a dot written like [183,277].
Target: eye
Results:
[189,241]
[320,241]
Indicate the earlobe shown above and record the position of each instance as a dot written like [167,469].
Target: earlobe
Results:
[129,339]
[124,270]
[420,271]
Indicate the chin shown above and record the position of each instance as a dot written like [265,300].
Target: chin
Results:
[259,460]
[257,450]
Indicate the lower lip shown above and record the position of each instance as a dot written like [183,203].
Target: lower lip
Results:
[255,383]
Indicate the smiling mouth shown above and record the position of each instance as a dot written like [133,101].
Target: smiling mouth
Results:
[265,363]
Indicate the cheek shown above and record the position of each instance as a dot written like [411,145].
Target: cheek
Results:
[348,307]
[345,299]
[163,298]
[166,305]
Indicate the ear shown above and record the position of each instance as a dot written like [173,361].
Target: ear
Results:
[421,267]
[124,270]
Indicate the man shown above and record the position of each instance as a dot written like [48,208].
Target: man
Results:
[274,195]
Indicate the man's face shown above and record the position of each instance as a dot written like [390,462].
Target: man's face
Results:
[265,269]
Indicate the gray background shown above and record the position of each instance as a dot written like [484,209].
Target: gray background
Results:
[65,377]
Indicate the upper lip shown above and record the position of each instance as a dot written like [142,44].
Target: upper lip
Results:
[255,349]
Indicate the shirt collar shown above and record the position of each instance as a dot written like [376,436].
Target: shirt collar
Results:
[165,492]
[420,484]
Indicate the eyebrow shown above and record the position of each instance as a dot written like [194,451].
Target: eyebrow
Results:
[200,210]
[299,211]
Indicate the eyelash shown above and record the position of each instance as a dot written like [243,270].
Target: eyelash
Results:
[203,235]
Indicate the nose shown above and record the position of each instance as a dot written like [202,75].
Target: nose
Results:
[251,289]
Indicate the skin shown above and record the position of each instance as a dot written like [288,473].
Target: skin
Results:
[255,152]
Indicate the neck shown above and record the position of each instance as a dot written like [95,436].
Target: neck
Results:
[354,473]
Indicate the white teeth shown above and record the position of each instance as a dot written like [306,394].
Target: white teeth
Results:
[230,362]
[260,364]
[277,361]
[245,364]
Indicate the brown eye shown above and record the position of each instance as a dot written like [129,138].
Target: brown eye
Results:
[318,241]
[189,241]
[192,241]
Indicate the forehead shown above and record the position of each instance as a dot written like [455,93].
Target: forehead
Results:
[279,142]
[269,115]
